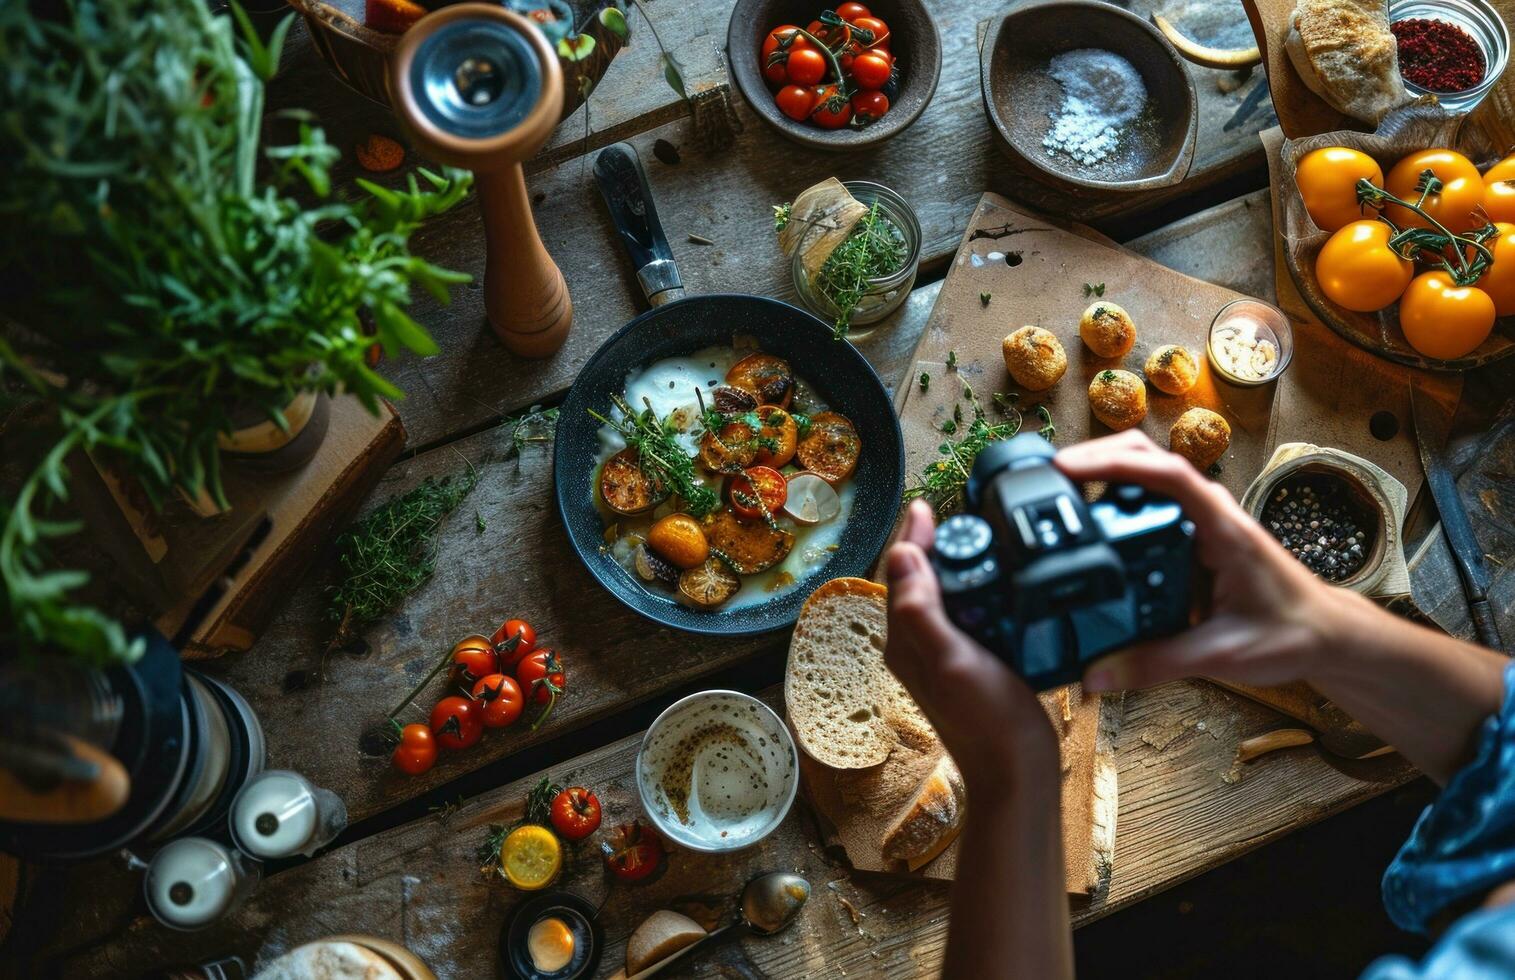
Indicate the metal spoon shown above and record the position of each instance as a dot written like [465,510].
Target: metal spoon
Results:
[769,903]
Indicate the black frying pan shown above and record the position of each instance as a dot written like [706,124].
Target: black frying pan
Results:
[676,326]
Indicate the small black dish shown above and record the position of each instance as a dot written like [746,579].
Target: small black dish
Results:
[841,376]
[515,962]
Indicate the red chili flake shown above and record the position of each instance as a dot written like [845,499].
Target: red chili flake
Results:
[1437,56]
[379,154]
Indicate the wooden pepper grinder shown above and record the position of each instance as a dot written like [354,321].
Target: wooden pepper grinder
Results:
[478,86]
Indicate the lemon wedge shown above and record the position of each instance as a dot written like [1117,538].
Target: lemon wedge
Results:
[531,857]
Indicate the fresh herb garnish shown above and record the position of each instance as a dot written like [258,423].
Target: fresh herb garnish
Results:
[1107,376]
[952,360]
[925,381]
[660,455]
[802,423]
[479,524]
[984,298]
[1048,430]
[1094,289]
[781,213]
[944,480]
[538,811]
[949,426]
[536,424]
[875,248]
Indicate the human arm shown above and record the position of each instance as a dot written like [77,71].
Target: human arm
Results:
[1009,903]
[1271,621]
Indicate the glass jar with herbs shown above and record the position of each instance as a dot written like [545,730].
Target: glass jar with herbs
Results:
[871,271]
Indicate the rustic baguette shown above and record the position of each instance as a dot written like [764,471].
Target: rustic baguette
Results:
[933,814]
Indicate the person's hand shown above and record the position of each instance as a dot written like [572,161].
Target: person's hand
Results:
[989,720]
[1268,614]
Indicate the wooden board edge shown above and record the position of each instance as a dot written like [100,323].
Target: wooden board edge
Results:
[1112,713]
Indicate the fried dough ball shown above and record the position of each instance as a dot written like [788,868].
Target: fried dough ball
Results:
[1118,399]
[1035,358]
[1107,329]
[1200,436]
[1172,369]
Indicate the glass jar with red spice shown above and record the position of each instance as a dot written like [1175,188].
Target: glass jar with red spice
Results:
[1453,49]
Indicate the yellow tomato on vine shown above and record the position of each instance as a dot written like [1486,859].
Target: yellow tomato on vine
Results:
[1453,204]
[1357,269]
[1442,319]
[1499,280]
[1499,199]
[1503,170]
[1327,180]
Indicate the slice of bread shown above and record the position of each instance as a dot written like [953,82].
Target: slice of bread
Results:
[933,813]
[847,709]
[660,935]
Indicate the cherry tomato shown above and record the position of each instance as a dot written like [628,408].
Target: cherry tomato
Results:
[473,657]
[795,101]
[539,673]
[1357,269]
[852,11]
[499,701]
[632,852]
[869,106]
[417,751]
[832,109]
[513,640]
[805,67]
[575,813]
[457,722]
[1503,170]
[1499,280]
[876,27]
[777,47]
[1327,180]
[836,38]
[1442,319]
[1499,200]
[871,70]
[759,484]
[1453,205]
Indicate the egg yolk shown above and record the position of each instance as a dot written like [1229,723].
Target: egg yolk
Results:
[549,943]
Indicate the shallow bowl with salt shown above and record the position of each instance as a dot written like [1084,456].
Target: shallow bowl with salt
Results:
[1088,97]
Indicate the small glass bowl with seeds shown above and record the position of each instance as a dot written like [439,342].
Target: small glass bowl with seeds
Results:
[1250,343]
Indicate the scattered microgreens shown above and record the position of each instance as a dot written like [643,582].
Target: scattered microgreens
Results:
[536,424]
[984,298]
[659,455]
[949,426]
[1094,289]
[925,381]
[781,214]
[944,480]
[479,524]
[952,360]
[875,248]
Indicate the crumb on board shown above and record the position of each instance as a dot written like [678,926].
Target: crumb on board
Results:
[379,154]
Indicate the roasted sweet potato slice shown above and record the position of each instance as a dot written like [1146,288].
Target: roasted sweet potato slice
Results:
[831,448]
[625,488]
[778,437]
[730,450]
[750,546]
[767,378]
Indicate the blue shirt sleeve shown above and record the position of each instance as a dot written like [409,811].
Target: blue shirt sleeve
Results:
[1462,846]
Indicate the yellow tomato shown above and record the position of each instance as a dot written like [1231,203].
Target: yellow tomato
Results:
[1503,170]
[531,857]
[1499,199]
[1357,269]
[1327,180]
[1499,280]
[1453,205]
[1442,319]
[680,539]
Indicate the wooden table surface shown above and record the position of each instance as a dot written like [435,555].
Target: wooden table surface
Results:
[1184,805]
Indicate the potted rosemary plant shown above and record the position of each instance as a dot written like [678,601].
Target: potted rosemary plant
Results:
[164,273]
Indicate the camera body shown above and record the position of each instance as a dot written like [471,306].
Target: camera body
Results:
[1049,583]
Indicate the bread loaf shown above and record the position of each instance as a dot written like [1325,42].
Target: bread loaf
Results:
[1345,53]
[329,960]
[847,709]
[935,813]
[660,935]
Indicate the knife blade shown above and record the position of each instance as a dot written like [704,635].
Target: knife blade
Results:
[1433,423]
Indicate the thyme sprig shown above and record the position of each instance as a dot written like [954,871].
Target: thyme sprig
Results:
[659,454]
[538,811]
[943,481]
[875,248]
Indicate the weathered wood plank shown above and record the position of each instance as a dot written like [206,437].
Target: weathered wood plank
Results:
[941,165]
[1185,807]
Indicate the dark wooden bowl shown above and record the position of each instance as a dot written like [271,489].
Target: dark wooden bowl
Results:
[916,45]
[1020,96]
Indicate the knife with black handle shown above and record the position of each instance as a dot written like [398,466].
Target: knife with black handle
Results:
[623,184]
[1433,423]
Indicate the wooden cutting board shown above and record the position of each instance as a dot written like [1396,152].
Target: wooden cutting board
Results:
[1034,273]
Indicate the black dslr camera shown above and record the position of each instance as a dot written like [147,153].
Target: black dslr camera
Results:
[1049,583]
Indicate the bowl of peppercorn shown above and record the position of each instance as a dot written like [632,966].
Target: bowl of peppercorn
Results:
[1339,514]
[1452,49]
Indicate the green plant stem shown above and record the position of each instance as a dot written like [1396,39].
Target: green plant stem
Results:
[440,666]
[1466,272]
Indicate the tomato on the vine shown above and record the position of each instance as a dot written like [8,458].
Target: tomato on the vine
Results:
[874,26]
[457,723]
[417,751]
[500,701]
[575,813]
[1357,269]
[834,36]
[1442,319]
[805,66]
[795,101]
[1499,200]
[513,640]
[852,11]
[1327,180]
[1453,204]
[871,70]
[869,106]
[539,673]
[632,852]
[832,108]
[1499,280]
[759,489]
[473,657]
[777,47]
[1503,170]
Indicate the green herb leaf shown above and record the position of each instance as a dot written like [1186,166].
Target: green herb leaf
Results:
[984,298]
[925,381]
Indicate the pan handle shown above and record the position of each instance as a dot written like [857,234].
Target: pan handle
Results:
[623,185]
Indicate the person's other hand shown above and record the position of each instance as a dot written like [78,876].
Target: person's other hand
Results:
[989,720]
[1267,611]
